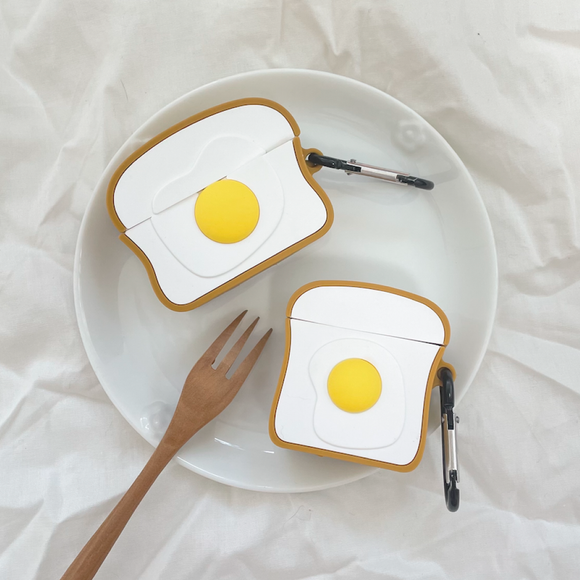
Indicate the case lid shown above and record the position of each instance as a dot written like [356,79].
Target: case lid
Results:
[376,309]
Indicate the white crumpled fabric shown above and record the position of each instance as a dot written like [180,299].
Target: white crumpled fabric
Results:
[501,82]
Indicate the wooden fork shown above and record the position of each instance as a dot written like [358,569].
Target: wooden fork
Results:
[206,393]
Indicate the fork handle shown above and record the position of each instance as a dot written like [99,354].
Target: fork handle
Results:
[90,558]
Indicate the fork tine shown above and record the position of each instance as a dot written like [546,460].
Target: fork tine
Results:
[213,351]
[232,355]
[248,363]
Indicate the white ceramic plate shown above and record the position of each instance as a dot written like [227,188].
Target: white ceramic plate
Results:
[437,244]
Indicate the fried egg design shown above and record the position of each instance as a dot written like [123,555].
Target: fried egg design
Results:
[360,365]
[217,199]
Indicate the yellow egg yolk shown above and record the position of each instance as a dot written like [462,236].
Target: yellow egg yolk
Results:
[354,385]
[227,211]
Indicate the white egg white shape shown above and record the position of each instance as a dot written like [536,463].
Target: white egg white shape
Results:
[379,426]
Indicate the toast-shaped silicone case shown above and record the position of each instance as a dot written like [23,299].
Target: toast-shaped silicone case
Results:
[216,199]
[360,363]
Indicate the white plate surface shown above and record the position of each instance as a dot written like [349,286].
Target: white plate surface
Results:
[437,244]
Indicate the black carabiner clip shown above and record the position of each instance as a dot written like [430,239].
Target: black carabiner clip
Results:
[354,167]
[448,440]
